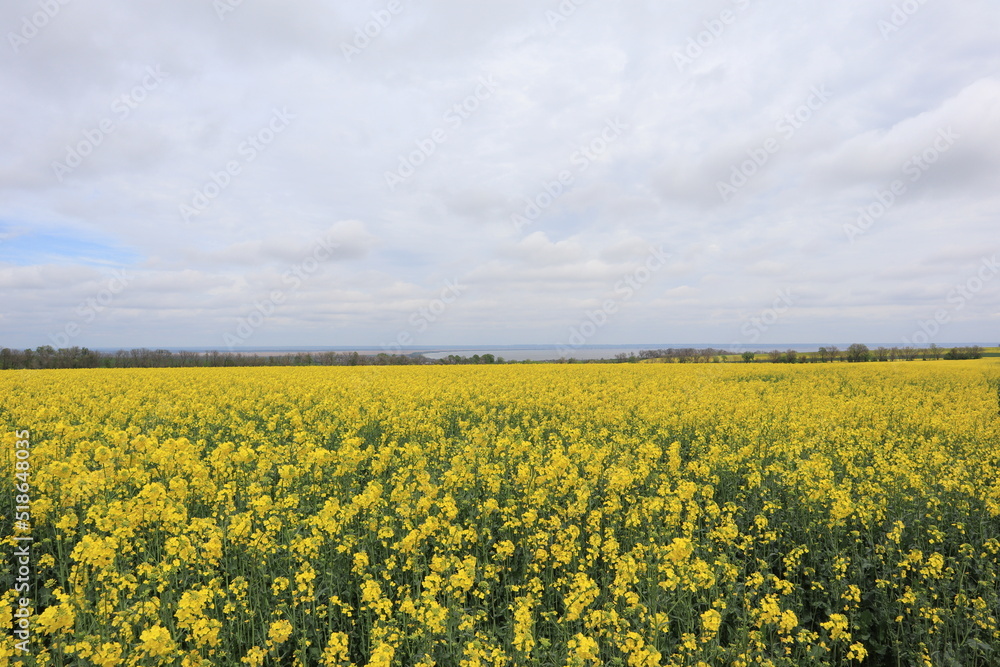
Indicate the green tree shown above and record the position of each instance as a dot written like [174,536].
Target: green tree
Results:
[858,352]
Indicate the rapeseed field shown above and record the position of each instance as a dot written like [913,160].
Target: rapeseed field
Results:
[631,514]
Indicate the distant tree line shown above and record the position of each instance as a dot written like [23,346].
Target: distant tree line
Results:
[474,359]
[861,353]
[857,352]
[80,357]
[674,355]
[684,355]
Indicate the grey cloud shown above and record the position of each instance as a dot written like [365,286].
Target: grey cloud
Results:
[558,82]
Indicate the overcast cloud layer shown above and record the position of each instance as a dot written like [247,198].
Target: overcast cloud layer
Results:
[260,173]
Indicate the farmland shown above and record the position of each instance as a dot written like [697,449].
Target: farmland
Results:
[632,514]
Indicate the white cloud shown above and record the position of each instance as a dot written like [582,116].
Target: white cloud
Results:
[554,88]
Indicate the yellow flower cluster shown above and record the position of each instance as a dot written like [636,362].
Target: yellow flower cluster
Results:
[638,514]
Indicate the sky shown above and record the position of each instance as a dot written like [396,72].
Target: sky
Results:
[240,174]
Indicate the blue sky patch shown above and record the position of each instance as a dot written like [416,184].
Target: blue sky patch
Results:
[29,249]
